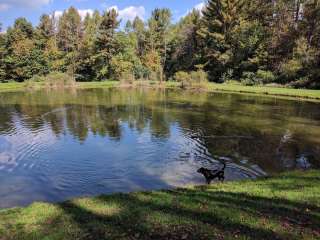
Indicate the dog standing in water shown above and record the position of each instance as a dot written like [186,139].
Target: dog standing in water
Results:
[210,175]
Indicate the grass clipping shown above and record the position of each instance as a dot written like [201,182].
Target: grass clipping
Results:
[54,80]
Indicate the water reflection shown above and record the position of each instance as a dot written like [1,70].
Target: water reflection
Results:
[58,145]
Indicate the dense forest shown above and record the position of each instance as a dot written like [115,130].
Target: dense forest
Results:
[253,42]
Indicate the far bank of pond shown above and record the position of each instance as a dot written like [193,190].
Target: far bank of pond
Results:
[283,207]
[211,87]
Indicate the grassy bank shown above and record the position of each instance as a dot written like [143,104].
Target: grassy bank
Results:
[211,87]
[12,86]
[284,207]
[274,91]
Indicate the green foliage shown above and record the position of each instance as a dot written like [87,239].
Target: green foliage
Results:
[227,76]
[53,80]
[249,79]
[194,79]
[253,42]
[127,78]
[69,30]
[265,77]
[184,78]
[105,44]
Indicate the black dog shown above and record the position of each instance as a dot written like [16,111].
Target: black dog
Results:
[210,175]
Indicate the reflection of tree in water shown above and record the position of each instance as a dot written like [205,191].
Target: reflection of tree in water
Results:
[229,125]
[6,119]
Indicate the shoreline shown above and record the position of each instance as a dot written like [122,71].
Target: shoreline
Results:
[284,93]
[280,207]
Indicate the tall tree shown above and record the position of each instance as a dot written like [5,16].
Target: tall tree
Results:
[22,55]
[86,61]
[105,43]
[69,37]
[140,32]
[2,51]
[158,34]
[219,18]
[69,30]
[184,49]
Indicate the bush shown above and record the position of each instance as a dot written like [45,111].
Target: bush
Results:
[290,70]
[52,80]
[141,72]
[227,76]
[127,78]
[183,78]
[265,77]
[33,83]
[249,79]
[199,77]
[156,76]
[59,80]
[195,79]
[37,78]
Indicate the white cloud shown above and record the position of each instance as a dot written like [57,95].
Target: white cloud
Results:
[57,14]
[7,4]
[82,12]
[129,13]
[4,7]
[199,6]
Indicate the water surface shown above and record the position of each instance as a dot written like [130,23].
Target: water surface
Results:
[59,145]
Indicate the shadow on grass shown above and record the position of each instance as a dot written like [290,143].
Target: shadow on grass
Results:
[200,213]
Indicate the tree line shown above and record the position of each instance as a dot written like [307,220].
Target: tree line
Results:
[253,42]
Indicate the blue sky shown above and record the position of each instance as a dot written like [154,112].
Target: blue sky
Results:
[32,9]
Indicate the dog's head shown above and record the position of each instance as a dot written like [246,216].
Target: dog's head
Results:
[201,170]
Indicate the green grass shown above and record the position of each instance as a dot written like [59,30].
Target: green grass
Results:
[274,91]
[211,87]
[283,207]
[12,86]
[105,84]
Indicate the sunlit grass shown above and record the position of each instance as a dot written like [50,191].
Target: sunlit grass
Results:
[283,207]
[277,91]
[231,87]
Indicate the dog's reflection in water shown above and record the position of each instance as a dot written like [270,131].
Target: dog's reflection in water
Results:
[210,175]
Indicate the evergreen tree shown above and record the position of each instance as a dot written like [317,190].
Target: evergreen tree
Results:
[69,38]
[140,32]
[86,62]
[2,51]
[105,43]
[184,49]
[219,19]
[69,30]
[158,36]
[21,57]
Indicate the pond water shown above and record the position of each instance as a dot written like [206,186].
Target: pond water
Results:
[60,145]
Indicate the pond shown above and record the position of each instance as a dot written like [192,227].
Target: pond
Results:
[60,145]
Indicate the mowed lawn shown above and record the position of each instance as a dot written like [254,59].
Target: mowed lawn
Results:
[282,207]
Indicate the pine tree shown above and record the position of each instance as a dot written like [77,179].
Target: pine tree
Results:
[140,32]
[69,30]
[2,51]
[86,62]
[105,43]
[158,35]
[22,60]
[46,27]
[185,45]
[219,18]
[69,38]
